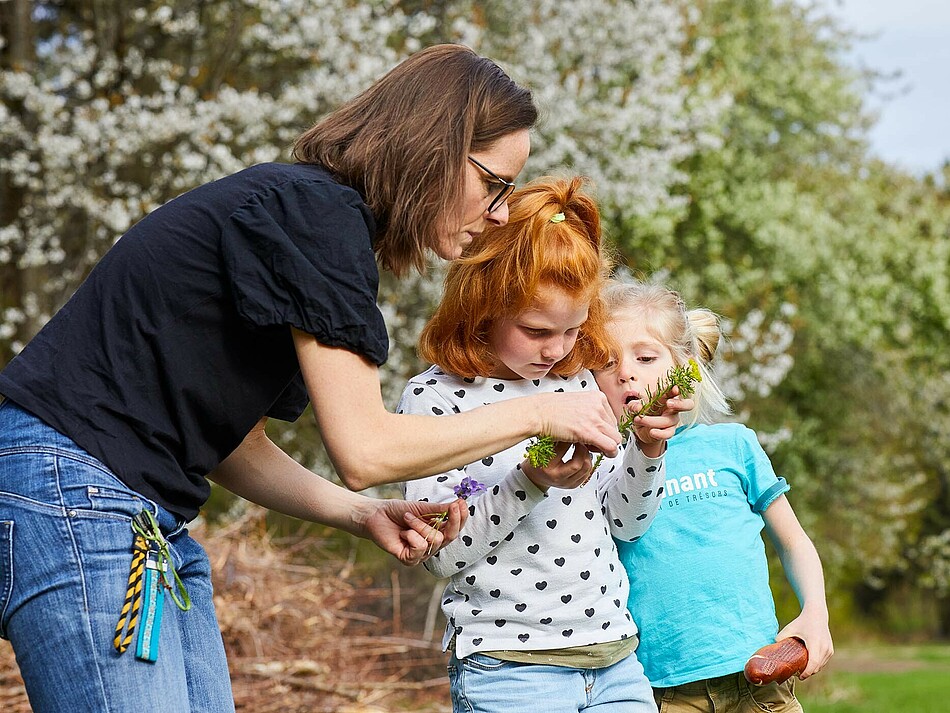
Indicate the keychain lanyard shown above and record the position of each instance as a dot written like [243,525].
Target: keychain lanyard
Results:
[144,597]
[144,525]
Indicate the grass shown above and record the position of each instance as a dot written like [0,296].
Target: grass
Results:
[881,679]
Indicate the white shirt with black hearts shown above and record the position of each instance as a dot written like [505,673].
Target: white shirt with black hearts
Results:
[533,570]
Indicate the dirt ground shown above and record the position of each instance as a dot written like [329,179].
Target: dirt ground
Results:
[301,637]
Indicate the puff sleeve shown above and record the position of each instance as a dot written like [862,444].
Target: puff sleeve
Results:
[300,254]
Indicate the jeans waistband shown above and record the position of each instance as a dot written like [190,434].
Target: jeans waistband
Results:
[60,473]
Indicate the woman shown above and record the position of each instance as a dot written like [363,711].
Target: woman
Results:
[236,302]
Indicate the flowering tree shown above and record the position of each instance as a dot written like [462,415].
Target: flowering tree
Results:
[107,112]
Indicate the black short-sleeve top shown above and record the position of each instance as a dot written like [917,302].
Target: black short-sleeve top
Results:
[179,340]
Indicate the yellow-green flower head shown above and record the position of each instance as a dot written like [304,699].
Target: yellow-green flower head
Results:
[694,372]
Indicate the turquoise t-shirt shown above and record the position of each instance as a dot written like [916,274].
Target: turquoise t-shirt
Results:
[699,579]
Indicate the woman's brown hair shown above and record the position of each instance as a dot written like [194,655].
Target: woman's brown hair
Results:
[506,266]
[403,143]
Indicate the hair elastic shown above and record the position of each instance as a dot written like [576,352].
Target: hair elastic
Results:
[557,218]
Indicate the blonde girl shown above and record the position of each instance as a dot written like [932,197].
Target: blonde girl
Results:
[699,577]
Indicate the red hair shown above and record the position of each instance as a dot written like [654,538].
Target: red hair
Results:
[506,266]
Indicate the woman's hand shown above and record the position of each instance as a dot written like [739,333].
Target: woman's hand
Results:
[580,417]
[400,527]
[568,474]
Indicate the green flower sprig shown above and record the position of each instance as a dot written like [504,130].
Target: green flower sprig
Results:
[541,450]
[683,377]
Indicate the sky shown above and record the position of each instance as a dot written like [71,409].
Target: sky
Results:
[912,36]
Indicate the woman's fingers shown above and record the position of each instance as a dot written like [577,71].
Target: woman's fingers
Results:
[434,530]
[422,539]
[457,516]
[582,417]
[611,438]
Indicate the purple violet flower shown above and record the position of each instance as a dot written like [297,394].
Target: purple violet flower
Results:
[468,487]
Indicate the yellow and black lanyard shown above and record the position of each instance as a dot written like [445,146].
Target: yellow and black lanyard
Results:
[145,596]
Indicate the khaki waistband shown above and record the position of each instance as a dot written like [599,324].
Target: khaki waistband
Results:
[707,684]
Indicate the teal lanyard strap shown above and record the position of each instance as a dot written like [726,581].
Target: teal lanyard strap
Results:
[146,525]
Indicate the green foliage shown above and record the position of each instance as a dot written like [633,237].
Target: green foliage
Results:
[832,271]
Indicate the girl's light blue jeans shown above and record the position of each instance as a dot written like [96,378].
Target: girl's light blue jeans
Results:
[65,554]
[482,684]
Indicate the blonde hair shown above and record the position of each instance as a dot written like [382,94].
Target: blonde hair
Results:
[689,334]
[506,266]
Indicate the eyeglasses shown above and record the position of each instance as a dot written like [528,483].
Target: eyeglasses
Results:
[504,188]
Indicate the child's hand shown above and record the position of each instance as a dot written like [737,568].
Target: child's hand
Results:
[814,631]
[561,474]
[653,430]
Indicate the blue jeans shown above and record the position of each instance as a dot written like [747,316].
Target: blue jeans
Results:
[482,684]
[65,553]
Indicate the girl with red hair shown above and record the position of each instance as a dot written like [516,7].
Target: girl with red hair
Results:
[535,603]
